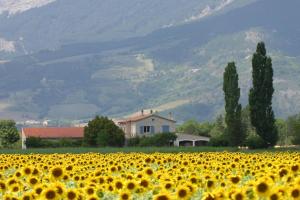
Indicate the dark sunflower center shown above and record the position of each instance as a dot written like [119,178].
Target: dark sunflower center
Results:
[130,186]
[50,194]
[71,195]
[125,196]
[57,172]
[262,187]
[182,193]
[274,197]
[295,193]
[162,197]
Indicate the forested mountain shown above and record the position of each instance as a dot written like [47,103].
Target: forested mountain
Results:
[73,60]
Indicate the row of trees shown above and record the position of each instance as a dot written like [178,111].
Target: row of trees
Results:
[260,101]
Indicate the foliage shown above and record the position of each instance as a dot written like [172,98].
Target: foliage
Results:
[260,97]
[102,131]
[283,138]
[293,127]
[234,132]
[218,141]
[133,142]
[36,142]
[158,140]
[255,142]
[195,128]
[8,133]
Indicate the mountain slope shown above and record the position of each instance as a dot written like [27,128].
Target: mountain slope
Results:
[178,68]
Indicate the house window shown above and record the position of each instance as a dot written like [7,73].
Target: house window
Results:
[146,129]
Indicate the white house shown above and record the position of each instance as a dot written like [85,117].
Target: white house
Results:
[146,125]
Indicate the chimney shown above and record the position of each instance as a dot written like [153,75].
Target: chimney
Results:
[170,115]
[142,112]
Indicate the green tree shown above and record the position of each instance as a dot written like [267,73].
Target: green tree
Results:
[195,128]
[233,108]
[293,128]
[282,132]
[8,133]
[260,97]
[102,131]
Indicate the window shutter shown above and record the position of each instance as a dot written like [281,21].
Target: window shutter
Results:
[141,129]
[152,129]
[165,129]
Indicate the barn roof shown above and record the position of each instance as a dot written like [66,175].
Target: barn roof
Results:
[51,132]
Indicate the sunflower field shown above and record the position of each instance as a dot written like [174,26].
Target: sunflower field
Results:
[159,176]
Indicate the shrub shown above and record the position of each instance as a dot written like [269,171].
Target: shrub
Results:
[34,142]
[132,142]
[158,140]
[255,142]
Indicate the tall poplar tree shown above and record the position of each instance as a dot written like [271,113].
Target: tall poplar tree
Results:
[233,108]
[260,97]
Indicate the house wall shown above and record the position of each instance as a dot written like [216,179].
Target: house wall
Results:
[127,129]
[23,139]
[155,121]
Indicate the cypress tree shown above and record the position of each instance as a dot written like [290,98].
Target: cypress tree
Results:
[233,132]
[260,97]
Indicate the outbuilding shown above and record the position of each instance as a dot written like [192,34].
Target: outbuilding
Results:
[190,140]
[51,133]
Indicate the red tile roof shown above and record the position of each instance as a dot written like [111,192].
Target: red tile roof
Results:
[49,132]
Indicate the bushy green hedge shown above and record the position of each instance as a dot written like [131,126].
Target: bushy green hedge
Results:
[158,140]
[35,142]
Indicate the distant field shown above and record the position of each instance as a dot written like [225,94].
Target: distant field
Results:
[139,149]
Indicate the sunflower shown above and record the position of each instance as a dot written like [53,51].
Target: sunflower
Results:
[168,185]
[125,195]
[262,188]
[295,193]
[118,185]
[2,186]
[71,194]
[182,192]
[57,172]
[162,196]
[27,171]
[239,195]
[144,183]
[38,189]
[130,185]
[32,181]
[234,179]
[148,171]
[50,194]
[90,191]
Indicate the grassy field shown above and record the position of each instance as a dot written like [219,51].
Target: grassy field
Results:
[139,149]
